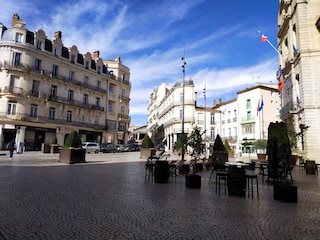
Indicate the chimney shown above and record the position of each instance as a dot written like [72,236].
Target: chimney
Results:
[214,102]
[15,18]
[220,100]
[96,55]
[57,34]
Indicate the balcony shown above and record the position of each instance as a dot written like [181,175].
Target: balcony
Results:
[248,119]
[45,119]
[289,108]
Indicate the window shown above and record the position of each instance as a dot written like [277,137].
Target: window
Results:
[69,116]
[53,91]
[181,113]
[83,119]
[212,119]
[16,58]
[110,108]
[39,44]
[34,110]
[96,120]
[56,52]
[52,112]
[37,65]
[248,116]
[111,89]
[181,98]
[87,65]
[122,126]
[19,37]
[99,69]
[35,88]
[85,81]
[73,58]
[71,76]
[212,133]
[70,95]
[85,99]
[12,106]
[98,102]
[248,104]
[122,108]
[123,92]
[98,84]
[123,77]
[55,69]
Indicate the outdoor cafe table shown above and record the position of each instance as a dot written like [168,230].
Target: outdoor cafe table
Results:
[237,164]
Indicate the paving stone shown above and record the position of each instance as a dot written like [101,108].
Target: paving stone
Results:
[109,198]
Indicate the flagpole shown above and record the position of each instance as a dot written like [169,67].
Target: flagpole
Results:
[267,40]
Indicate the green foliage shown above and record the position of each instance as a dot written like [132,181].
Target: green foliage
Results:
[195,141]
[260,144]
[218,145]
[73,140]
[181,142]
[54,140]
[147,142]
[227,146]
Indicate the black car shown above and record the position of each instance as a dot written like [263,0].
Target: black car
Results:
[108,148]
[134,147]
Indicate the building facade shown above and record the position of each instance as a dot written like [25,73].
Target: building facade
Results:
[236,121]
[48,90]
[299,57]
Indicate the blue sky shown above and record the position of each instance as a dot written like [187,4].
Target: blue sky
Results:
[220,40]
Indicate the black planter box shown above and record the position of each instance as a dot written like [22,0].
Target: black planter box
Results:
[236,182]
[161,172]
[285,192]
[193,181]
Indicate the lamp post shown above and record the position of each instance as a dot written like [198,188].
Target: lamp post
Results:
[182,120]
[205,121]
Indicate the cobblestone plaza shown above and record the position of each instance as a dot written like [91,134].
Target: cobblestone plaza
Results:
[109,198]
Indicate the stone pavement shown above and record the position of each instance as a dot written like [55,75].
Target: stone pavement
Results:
[109,198]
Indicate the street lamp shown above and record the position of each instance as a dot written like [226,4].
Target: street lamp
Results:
[205,120]
[182,120]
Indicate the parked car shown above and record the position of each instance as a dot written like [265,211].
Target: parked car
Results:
[108,148]
[91,147]
[160,147]
[120,148]
[134,147]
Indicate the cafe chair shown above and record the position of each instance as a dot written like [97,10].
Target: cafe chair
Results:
[250,176]
[221,177]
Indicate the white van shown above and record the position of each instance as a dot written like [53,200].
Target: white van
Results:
[91,147]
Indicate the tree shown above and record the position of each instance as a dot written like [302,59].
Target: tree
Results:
[147,142]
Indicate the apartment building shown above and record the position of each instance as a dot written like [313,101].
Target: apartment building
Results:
[299,57]
[47,90]
[245,117]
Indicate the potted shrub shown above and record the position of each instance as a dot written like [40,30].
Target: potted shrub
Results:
[55,147]
[228,149]
[219,151]
[181,145]
[195,141]
[260,146]
[71,151]
[310,167]
[279,152]
[147,148]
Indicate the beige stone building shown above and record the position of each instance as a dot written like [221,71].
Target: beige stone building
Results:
[234,120]
[47,90]
[299,57]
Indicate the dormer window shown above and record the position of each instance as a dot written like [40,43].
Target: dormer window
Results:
[73,58]
[99,70]
[87,64]
[19,37]
[39,44]
[56,52]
